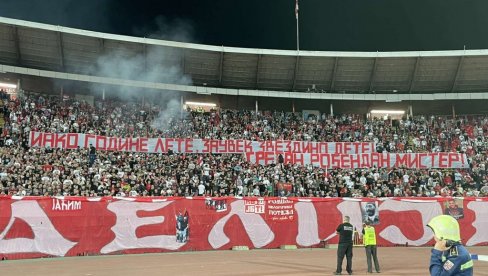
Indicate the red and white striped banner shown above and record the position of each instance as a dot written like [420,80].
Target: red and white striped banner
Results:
[69,226]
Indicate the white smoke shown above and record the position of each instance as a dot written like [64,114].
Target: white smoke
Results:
[155,66]
[171,111]
[153,63]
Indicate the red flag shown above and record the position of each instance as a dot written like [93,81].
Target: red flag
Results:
[296,9]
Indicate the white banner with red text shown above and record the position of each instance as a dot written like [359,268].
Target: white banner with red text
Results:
[32,227]
[365,160]
[190,145]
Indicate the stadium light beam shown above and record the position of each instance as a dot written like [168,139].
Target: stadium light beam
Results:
[8,85]
[377,111]
[201,104]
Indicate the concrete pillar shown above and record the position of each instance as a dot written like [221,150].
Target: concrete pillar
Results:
[181,107]
[331,109]
[257,107]
[18,85]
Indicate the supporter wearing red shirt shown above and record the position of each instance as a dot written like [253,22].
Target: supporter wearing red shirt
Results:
[447,179]
[47,167]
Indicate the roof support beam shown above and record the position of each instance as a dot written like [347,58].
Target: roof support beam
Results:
[102,45]
[144,54]
[258,63]
[295,73]
[183,62]
[460,64]
[373,73]
[17,44]
[221,67]
[334,73]
[414,74]
[61,50]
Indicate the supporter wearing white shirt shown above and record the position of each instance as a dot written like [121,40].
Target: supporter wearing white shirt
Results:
[56,172]
[376,176]
[397,191]
[240,190]
[120,174]
[347,180]
[201,189]
[206,170]
[9,142]
[406,178]
[256,192]
[76,172]
[21,192]
[457,177]
[362,180]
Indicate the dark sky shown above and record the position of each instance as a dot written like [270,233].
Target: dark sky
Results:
[342,25]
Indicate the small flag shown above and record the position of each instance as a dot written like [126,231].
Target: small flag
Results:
[296,9]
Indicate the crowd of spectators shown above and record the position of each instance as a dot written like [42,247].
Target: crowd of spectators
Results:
[86,172]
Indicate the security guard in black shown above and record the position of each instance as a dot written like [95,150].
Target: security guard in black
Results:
[345,231]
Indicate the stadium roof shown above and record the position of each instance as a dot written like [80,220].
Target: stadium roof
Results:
[61,49]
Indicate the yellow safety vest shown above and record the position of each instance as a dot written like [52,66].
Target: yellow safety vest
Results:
[369,236]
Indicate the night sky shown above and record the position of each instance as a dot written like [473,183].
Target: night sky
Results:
[339,25]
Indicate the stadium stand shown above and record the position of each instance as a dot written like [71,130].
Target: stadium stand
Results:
[54,172]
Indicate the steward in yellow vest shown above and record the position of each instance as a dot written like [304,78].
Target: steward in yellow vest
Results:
[369,239]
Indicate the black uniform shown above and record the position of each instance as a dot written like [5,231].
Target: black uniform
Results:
[345,231]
